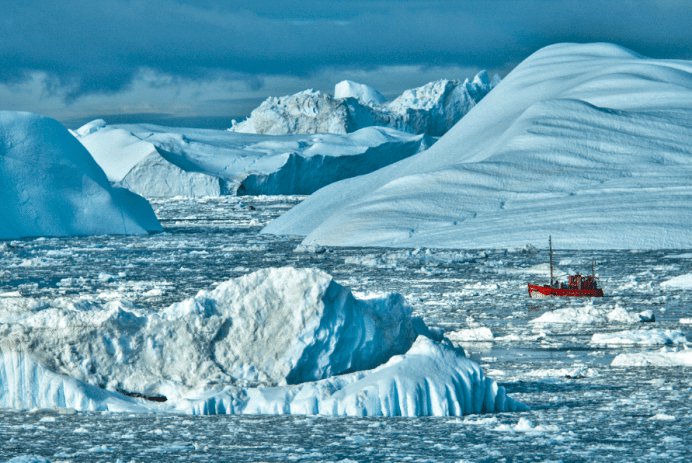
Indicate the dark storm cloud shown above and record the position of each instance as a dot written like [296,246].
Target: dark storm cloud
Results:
[88,47]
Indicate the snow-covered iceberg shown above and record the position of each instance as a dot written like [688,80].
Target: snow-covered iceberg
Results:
[157,161]
[275,341]
[50,186]
[431,109]
[587,142]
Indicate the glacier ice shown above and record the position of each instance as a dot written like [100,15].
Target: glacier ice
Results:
[157,161]
[279,340]
[50,186]
[615,126]
[431,109]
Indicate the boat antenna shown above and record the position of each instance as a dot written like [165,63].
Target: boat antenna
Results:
[550,246]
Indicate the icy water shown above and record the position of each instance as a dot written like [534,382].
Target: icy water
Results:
[582,409]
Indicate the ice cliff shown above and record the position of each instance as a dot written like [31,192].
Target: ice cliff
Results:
[279,340]
[588,143]
[50,186]
[159,161]
[431,109]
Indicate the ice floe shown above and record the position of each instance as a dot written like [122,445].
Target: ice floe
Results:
[666,357]
[279,340]
[678,282]
[52,187]
[650,337]
[476,334]
[591,314]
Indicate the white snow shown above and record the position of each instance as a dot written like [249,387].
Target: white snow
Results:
[432,108]
[588,143]
[650,337]
[679,282]
[157,161]
[666,357]
[589,314]
[279,340]
[50,186]
[364,93]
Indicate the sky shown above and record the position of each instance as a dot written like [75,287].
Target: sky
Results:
[203,62]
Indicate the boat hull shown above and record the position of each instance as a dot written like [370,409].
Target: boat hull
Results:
[537,292]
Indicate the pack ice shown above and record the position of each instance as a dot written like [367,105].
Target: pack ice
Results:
[50,186]
[588,143]
[280,341]
[159,161]
[432,108]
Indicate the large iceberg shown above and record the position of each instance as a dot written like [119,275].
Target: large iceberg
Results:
[157,161]
[587,142]
[431,109]
[279,340]
[50,186]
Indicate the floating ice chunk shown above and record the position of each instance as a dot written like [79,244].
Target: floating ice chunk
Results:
[665,357]
[525,425]
[478,334]
[686,321]
[651,337]
[588,314]
[679,282]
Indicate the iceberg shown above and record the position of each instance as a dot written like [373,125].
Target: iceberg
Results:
[588,143]
[279,340]
[50,186]
[157,161]
[431,109]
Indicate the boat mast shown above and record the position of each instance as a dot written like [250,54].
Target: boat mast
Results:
[593,268]
[550,245]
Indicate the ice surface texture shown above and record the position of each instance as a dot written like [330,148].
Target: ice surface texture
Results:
[589,143]
[159,161]
[431,109]
[278,340]
[50,186]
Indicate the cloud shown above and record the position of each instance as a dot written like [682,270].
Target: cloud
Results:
[102,48]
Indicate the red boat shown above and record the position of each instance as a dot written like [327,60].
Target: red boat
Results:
[576,286]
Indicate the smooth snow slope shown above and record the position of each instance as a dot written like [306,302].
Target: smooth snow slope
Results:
[279,340]
[587,142]
[159,161]
[50,186]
